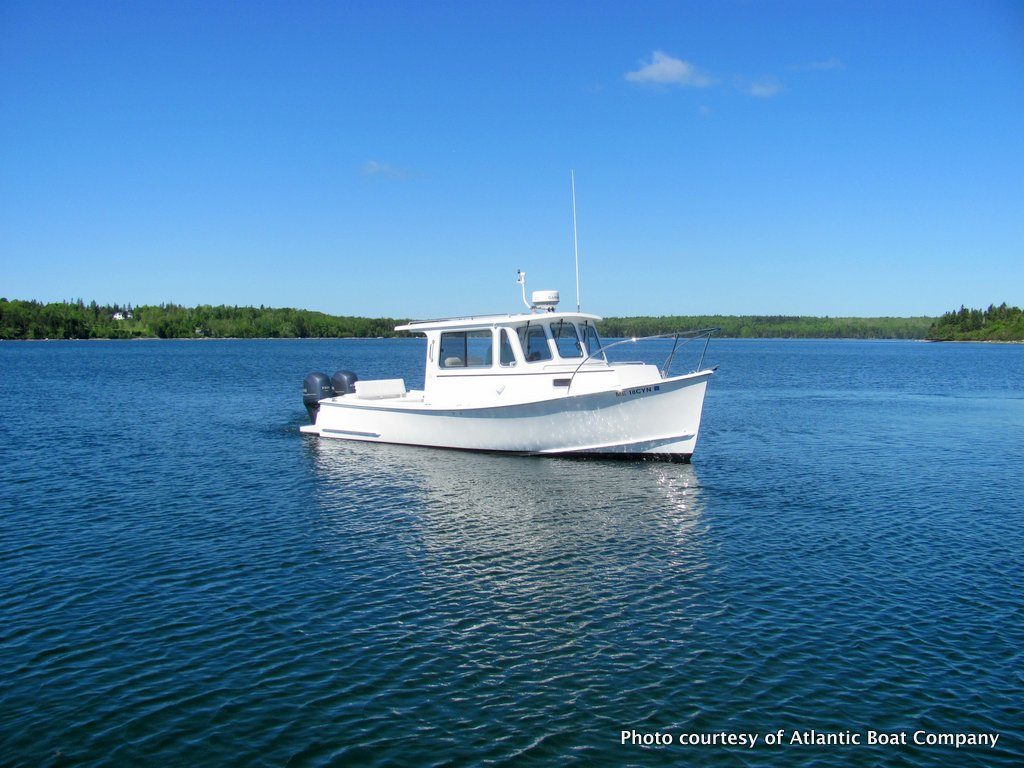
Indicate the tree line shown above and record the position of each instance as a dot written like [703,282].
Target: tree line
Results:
[1000,323]
[78,320]
[774,326]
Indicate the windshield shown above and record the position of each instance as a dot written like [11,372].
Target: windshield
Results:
[566,339]
[534,343]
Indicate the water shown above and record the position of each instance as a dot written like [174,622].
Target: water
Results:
[184,579]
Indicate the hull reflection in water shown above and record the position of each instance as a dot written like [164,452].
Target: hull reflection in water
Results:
[464,505]
[506,591]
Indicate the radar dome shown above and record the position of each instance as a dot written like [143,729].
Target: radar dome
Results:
[545,299]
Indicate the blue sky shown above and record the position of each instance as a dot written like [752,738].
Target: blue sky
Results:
[843,158]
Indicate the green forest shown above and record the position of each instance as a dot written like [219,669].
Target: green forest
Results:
[78,320]
[774,326]
[1000,323]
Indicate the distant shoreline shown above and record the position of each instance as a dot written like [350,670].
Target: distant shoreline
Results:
[33,320]
[408,338]
[974,341]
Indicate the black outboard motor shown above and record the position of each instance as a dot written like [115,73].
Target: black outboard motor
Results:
[315,387]
[344,382]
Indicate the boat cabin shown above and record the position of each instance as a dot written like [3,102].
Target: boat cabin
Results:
[513,358]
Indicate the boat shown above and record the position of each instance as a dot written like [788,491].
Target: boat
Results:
[539,382]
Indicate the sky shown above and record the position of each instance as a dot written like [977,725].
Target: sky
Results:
[405,159]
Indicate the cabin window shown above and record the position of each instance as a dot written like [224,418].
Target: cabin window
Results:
[466,349]
[508,357]
[590,339]
[566,340]
[534,343]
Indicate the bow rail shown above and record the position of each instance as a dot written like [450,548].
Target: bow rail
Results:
[685,336]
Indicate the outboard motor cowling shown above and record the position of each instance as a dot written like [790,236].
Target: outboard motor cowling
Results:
[315,387]
[344,382]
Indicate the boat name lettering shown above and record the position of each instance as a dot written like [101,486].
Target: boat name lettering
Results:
[637,391]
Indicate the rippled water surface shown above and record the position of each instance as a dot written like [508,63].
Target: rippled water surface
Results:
[185,580]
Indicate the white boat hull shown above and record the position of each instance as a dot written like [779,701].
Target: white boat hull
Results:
[659,419]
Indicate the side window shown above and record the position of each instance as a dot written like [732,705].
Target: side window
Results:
[566,340]
[534,343]
[591,339]
[508,357]
[466,349]
[480,345]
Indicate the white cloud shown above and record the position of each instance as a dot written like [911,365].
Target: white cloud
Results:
[663,69]
[764,88]
[704,110]
[383,170]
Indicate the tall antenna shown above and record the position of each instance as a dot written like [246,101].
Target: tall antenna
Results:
[575,241]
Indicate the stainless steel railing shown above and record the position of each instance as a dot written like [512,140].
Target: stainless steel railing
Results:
[685,336]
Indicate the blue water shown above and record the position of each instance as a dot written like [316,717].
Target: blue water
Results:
[185,580]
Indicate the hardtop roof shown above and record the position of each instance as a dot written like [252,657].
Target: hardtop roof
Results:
[486,321]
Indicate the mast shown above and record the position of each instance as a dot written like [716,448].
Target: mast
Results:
[575,240]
